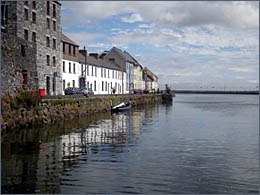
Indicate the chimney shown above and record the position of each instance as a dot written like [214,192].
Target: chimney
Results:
[83,51]
[95,55]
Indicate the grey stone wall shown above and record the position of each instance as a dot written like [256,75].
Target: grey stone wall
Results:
[13,63]
[16,26]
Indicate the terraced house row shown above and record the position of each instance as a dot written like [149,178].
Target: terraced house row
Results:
[36,55]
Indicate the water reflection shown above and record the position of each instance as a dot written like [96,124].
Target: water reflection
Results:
[178,148]
[35,160]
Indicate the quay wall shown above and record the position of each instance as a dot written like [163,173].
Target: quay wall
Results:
[49,111]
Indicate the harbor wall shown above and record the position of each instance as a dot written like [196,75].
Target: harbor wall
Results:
[49,111]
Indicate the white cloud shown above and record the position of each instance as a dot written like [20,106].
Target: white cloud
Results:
[236,69]
[253,81]
[132,19]
[83,39]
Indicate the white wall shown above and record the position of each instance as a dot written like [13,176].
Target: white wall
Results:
[105,77]
[69,75]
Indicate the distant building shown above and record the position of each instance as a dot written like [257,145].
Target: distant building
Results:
[102,76]
[31,33]
[151,80]
[71,72]
[127,65]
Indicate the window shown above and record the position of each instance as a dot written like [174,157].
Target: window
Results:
[95,85]
[106,86]
[24,72]
[92,71]
[23,50]
[108,73]
[26,14]
[69,67]
[34,17]
[48,8]
[4,13]
[26,34]
[88,84]
[48,60]
[63,47]
[87,70]
[102,85]
[74,50]
[34,4]
[69,49]
[101,72]
[64,66]
[47,41]
[64,83]
[74,68]
[54,43]
[48,23]
[54,10]
[105,73]
[113,74]
[54,25]
[73,83]
[54,61]
[34,37]
[95,71]
[82,69]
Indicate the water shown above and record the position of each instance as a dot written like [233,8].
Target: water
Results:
[199,144]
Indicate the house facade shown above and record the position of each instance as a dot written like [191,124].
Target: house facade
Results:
[151,80]
[71,70]
[102,76]
[31,32]
[126,64]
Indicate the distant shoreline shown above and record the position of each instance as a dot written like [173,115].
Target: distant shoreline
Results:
[217,92]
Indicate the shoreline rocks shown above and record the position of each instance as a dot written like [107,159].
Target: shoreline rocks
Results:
[53,110]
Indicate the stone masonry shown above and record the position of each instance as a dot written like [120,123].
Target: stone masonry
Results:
[36,26]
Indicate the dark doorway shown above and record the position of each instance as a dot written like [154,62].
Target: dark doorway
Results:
[82,83]
[48,85]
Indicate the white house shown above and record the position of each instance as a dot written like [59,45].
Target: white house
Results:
[102,75]
[70,63]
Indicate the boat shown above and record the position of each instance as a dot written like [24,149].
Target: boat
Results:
[121,107]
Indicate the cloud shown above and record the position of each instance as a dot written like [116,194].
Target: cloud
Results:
[179,14]
[132,19]
[241,69]
[84,38]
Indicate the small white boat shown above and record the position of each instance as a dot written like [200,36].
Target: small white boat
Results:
[121,107]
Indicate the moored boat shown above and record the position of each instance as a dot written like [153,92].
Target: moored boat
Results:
[121,107]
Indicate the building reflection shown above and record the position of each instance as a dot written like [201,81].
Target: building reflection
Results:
[35,160]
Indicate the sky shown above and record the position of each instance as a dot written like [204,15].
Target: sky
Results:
[188,45]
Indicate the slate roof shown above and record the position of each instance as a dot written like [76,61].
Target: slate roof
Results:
[99,62]
[124,55]
[66,39]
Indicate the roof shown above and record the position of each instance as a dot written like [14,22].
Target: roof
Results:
[137,63]
[150,73]
[57,2]
[99,62]
[66,39]
[124,55]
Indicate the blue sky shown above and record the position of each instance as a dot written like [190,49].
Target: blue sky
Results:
[189,45]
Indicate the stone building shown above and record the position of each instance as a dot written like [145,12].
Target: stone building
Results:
[31,55]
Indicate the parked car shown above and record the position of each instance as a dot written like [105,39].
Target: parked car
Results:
[87,92]
[73,90]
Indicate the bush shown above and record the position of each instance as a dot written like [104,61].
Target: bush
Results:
[25,99]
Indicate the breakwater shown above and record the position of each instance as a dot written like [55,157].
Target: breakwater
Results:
[49,111]
[217,92]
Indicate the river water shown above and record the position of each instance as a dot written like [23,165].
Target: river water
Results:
[197,144]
